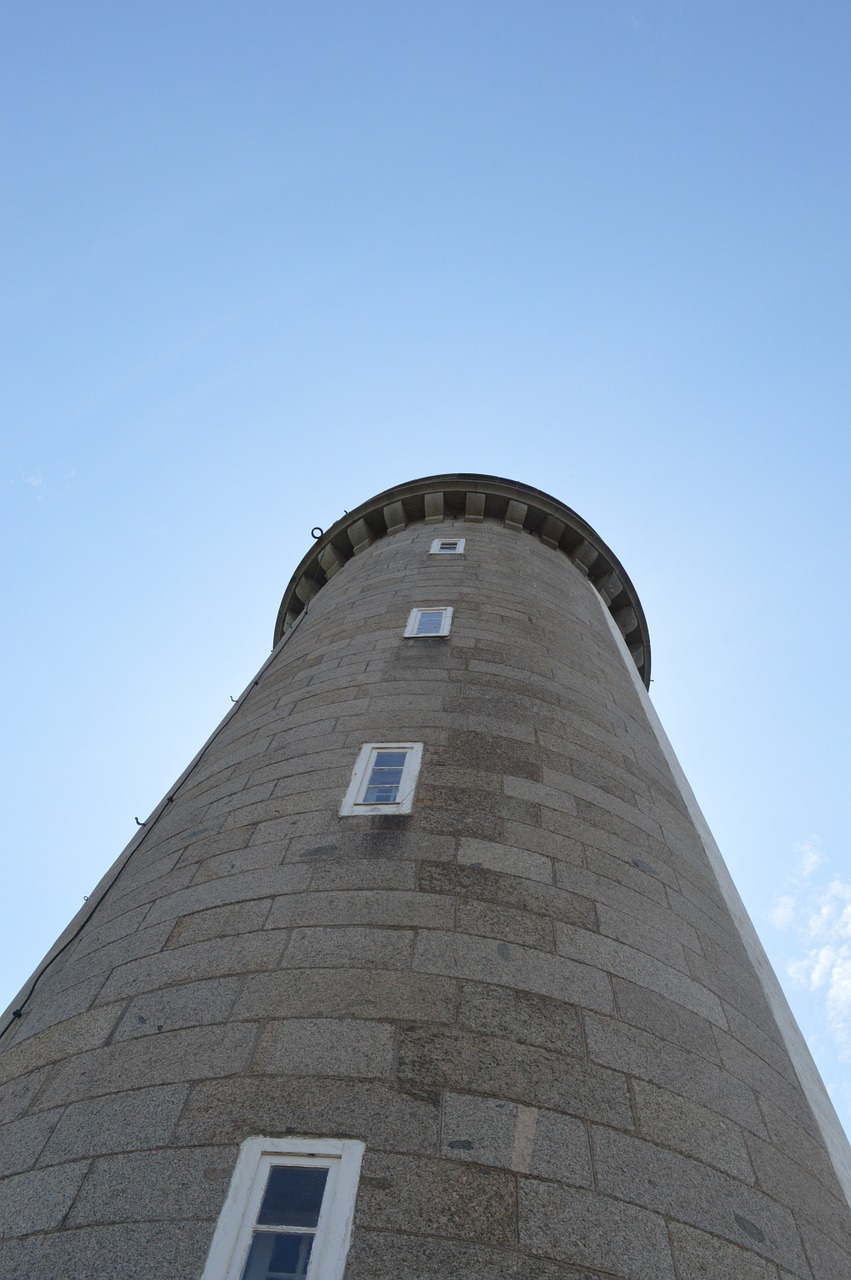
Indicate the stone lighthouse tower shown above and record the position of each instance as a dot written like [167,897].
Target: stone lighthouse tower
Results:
[427,966]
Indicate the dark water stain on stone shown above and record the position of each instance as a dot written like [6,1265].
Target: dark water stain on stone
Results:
[750,1228]
[645,866]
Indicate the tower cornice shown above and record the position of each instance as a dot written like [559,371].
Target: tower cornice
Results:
[473,499]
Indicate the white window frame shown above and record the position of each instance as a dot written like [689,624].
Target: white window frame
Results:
[238,1218]
[353,804]
[439,549]
[414,616]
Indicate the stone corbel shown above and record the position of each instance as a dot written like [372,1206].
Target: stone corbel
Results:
[433,508]
[609,586]
[626,620]
[360,536]
[551,532]
[331,560]
[394,517]
[584,556]
[515,515]
[306,589]
[475,508]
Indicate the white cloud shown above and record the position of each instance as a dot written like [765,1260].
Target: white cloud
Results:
[822,921]
[783,911]
[811,855]
[829,911]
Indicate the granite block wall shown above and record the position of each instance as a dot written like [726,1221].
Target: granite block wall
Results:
[527,997]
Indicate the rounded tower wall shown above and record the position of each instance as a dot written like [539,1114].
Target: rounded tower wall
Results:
[527,996]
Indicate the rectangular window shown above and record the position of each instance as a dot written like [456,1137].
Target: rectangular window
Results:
[447,547]
[288,1213]
[383,779]
[429,622]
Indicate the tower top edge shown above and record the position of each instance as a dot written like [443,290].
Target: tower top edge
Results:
[473,498]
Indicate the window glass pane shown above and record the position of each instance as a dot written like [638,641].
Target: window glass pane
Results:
[278,1256]
[381,795]
[293,1197]
[385,776]
[430,622]
[447,546]
[383,790]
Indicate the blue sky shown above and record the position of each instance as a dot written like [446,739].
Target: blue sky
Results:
[264,260]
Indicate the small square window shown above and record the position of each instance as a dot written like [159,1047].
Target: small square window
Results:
[429,622]
[447,547]
[288,1212]
[383,779]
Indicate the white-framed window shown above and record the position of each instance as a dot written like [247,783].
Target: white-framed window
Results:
[288,1212]
[383,779]
[448,547]
[429,622]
